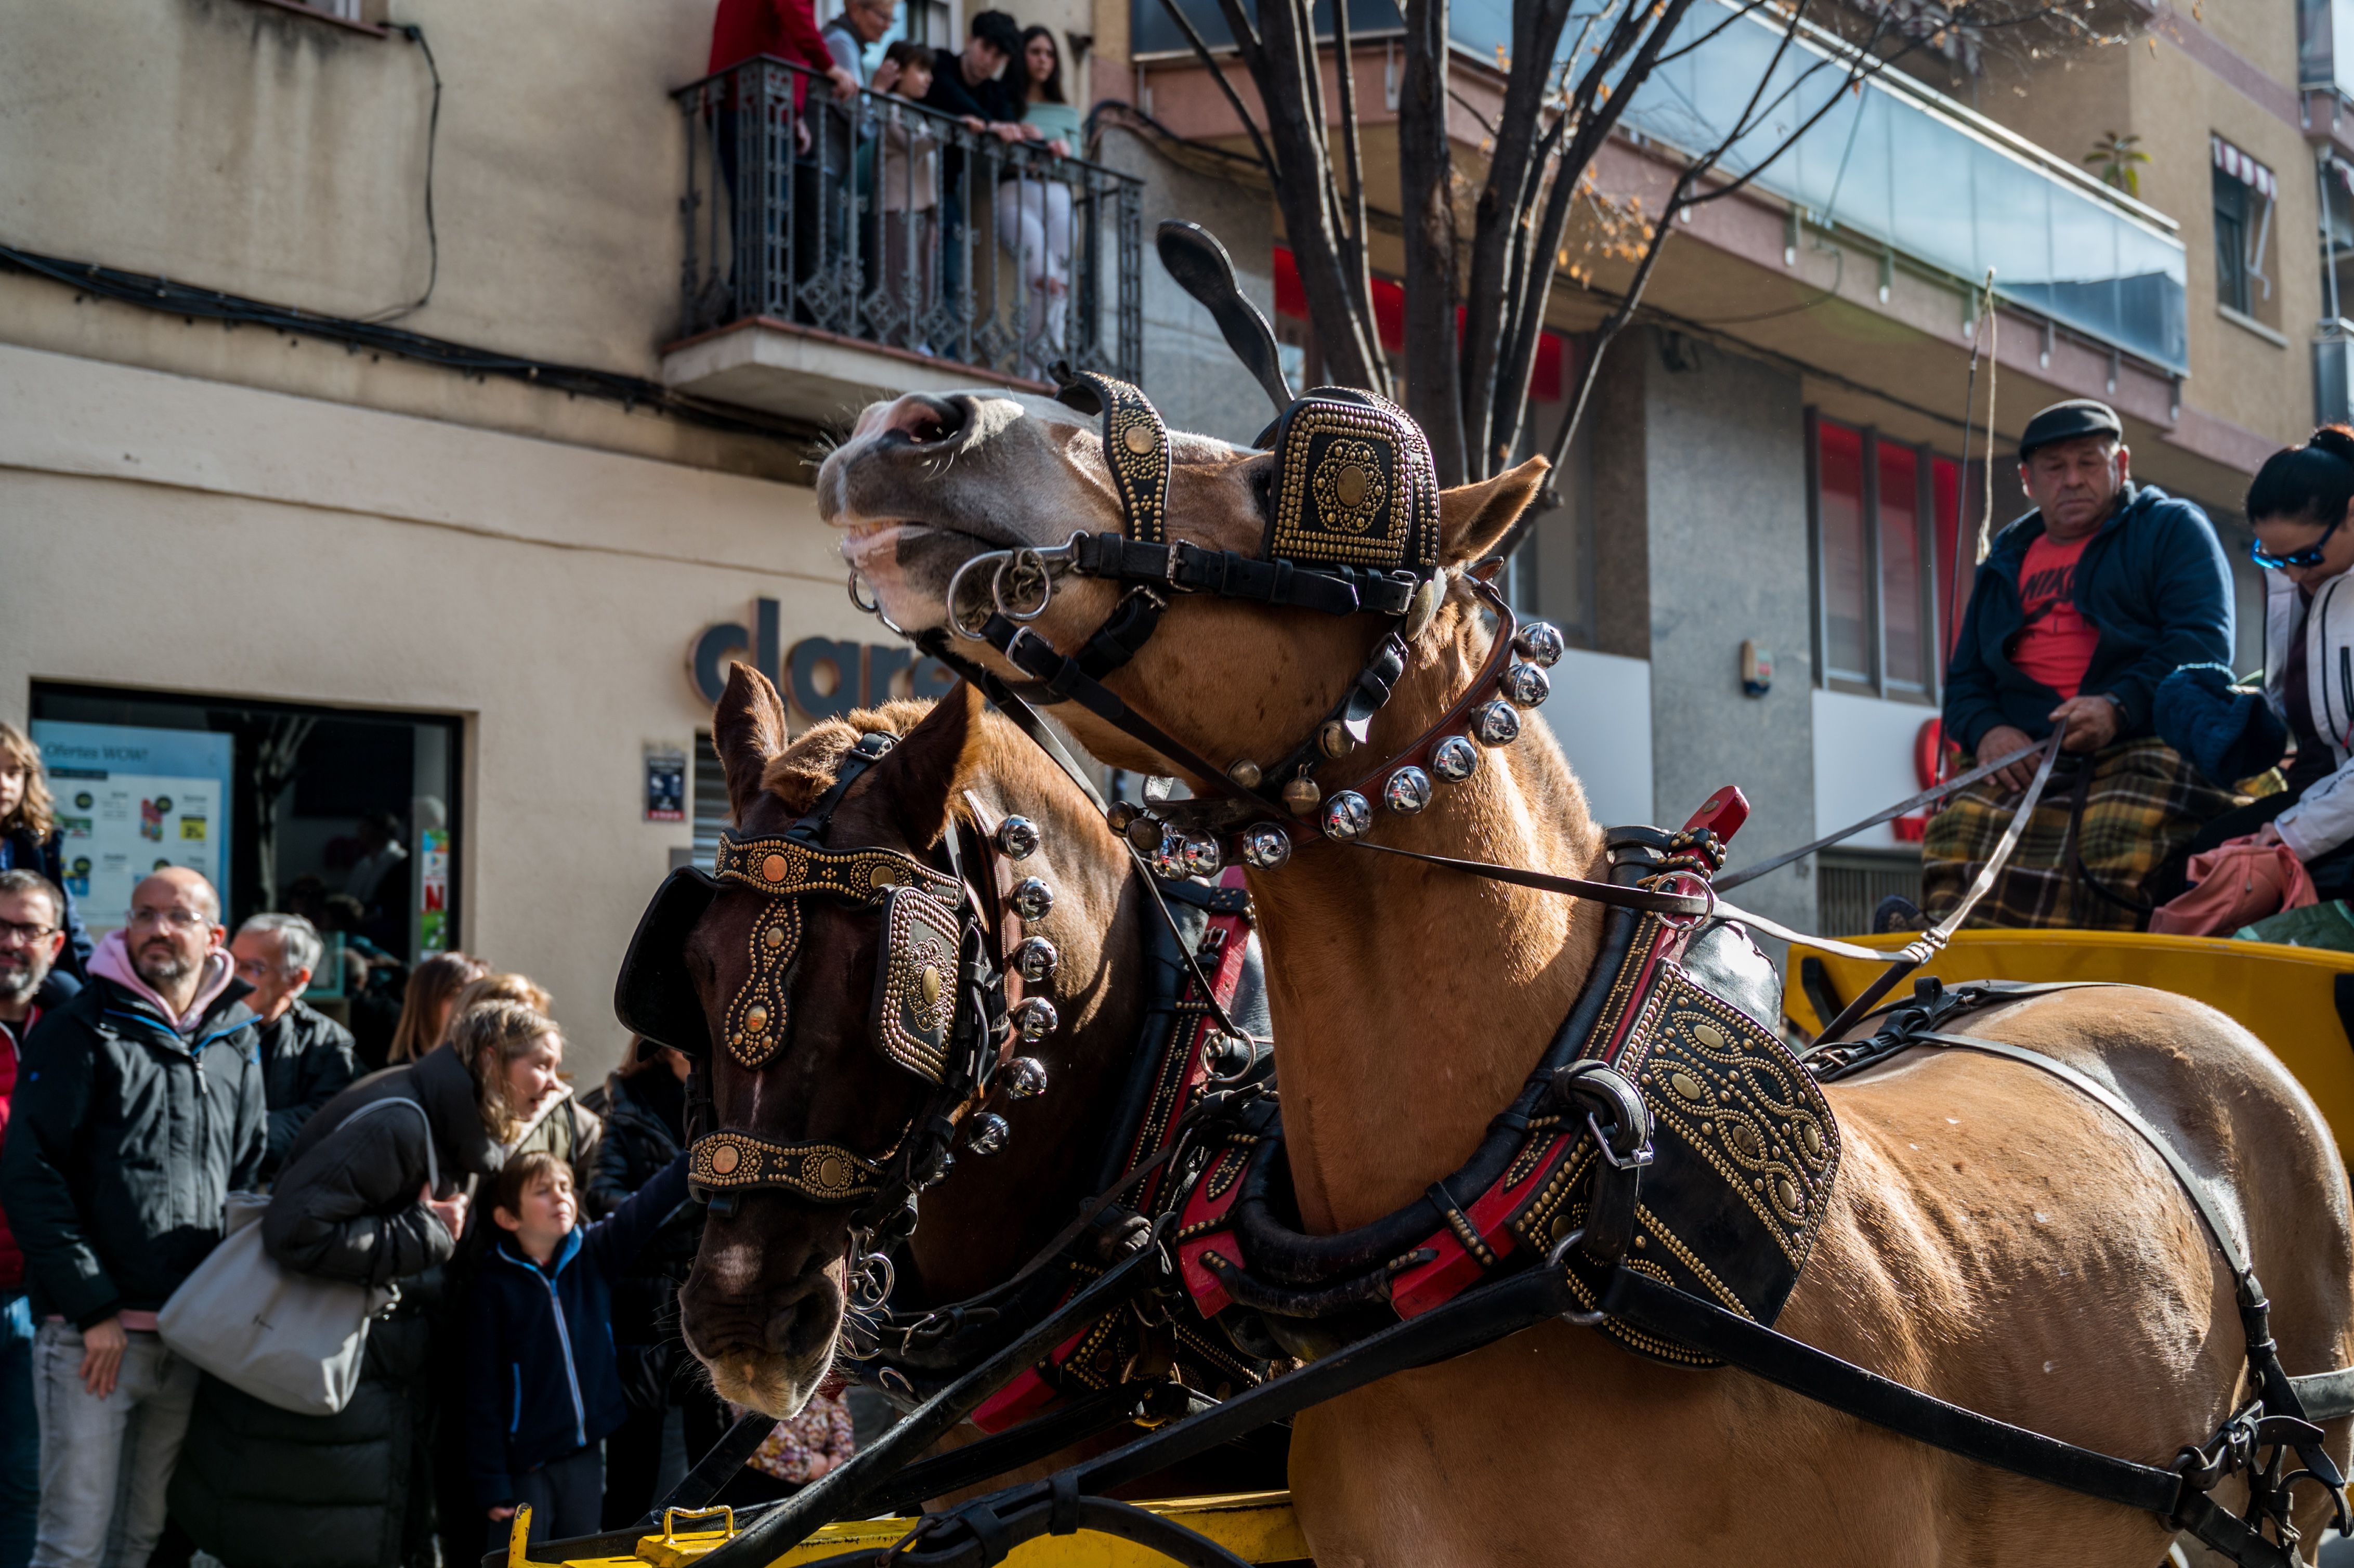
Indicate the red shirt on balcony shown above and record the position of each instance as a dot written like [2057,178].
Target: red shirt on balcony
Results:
[787,29]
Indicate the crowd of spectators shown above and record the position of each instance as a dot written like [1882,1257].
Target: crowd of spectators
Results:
[895,181]
[536,1239]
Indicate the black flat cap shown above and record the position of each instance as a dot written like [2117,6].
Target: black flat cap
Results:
[2066,421]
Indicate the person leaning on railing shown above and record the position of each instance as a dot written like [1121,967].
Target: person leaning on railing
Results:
[908,185]
[965,85]
[1033,215]
[2081,608]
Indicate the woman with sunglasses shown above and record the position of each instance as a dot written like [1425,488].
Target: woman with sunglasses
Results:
[2297,506]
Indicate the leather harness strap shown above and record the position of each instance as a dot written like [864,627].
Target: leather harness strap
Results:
[2218,1224]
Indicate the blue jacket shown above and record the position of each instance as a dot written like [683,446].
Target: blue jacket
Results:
[542,1377]
[2153,582]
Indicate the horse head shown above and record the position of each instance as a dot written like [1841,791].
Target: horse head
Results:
[764,1305]
[930,482]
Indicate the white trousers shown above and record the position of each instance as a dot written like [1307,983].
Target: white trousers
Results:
[1033,222]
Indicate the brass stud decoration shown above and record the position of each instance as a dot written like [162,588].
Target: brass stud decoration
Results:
[914,993]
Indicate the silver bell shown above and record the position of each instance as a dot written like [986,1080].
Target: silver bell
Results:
[1495,723]
[1455,759]
[1348,815]
[1030,898]
[1202,856]
[1017,838]
[1035,1017]
[1540,642]
[988,1133]
[1266,845]
[1166,859]
[1035,959]
[1407,792]
[1024,1078]
[1526,685]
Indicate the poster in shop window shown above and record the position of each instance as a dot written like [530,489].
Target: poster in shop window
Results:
[129,802]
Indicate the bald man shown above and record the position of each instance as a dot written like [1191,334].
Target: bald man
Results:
[138,1106]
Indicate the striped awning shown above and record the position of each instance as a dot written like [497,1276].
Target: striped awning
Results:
[2244,169]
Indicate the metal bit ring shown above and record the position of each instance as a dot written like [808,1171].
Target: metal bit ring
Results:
[1028,566]
[956,586]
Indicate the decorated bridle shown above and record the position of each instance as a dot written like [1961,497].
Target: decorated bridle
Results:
[945,1007]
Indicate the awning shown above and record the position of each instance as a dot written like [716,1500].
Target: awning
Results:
[2244,169]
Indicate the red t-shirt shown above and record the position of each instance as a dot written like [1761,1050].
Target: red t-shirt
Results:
[12,1260]
[2057,646]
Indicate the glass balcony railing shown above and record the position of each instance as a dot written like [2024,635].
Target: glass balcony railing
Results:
[1897,162]
[1930,179]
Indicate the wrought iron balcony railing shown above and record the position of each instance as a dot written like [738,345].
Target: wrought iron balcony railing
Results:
[876,219]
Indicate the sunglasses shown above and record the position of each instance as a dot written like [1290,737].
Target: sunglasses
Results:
[2308,557]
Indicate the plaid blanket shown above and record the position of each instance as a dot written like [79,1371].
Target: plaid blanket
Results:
[2141,806]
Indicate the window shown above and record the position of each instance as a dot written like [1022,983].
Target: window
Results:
[1884,518]
[2243,193]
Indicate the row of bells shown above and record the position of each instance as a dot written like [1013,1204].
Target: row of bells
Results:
[1034,1017]
[1173,855]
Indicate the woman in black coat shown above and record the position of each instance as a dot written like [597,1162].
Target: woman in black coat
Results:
[29,839]
[373,1192]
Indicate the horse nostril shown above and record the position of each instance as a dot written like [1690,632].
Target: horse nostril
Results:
[802,1329]
[925,420]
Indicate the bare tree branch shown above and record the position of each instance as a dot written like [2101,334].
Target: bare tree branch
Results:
[1426,192]
[1210,64]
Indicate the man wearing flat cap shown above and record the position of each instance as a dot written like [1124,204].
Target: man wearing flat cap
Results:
[2078,610]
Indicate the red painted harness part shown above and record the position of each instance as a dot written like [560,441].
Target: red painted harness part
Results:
[1454,1269]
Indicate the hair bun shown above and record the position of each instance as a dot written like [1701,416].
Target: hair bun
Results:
[2337,440]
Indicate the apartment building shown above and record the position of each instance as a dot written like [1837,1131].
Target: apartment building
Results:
[1775,464]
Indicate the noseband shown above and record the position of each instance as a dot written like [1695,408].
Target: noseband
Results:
[943,1009]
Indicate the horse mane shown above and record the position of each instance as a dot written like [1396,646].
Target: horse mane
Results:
[806,769]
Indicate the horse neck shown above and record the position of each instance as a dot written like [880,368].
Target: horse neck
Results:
[1410,1001]
[979,1228]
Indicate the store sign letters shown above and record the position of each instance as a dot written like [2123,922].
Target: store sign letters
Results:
[823,677]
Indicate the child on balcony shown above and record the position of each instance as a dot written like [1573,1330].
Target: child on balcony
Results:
[911,191]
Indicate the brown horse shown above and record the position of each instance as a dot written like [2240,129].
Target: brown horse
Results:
[1993,1238]
[763,1307]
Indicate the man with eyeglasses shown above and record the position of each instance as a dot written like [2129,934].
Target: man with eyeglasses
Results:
[139,1105]
[306,1056]
[2078,610]
[32,935]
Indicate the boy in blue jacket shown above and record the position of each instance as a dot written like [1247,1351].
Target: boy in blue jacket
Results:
[543,1387]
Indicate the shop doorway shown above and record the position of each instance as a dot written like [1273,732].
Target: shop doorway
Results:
[347,817]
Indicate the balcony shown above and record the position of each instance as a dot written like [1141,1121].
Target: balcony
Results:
[1898,163]
[839,251]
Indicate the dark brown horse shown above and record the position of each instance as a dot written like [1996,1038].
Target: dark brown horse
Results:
[763,1306]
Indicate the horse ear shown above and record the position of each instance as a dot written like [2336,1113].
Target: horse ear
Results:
[1473,517]
[747,730]
[932,762]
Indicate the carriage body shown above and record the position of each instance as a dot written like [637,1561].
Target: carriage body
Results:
[2298,1000]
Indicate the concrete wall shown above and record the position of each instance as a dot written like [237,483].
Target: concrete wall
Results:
[238,146]
[1723,475]
[188,536]
[1188,369]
